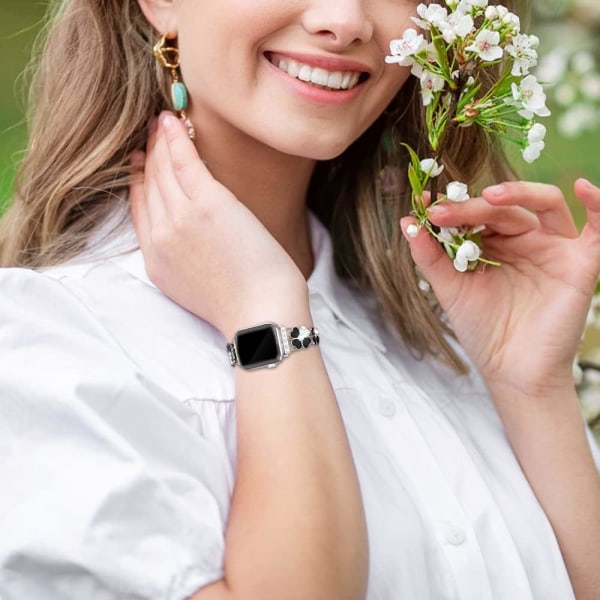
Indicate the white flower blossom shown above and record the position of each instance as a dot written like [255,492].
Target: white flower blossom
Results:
[417,70]
[449,35]
[537,133]
[431,167]
[491,13]
[486,45]
[535,139]
[467,6]
[577,119]
[457,25]
[590,86]
[412,231]
[403,49]
[433,54]
[532,152]
[583,62]
[446,234]
[467,252]
[553,66]
[530,95]
[565,94]
[523,49]
[434,14]
[430,83]
[512,21]
[457,191]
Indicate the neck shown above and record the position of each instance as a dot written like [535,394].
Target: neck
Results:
[271,184]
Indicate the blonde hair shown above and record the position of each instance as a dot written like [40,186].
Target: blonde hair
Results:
[96,86]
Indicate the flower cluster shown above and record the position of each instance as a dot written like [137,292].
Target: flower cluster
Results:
[456,43]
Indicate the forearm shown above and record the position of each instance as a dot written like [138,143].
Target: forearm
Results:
[548,438]
[296,528]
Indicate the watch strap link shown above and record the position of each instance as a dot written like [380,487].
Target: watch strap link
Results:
[300,338]
[292,339]
[232,354]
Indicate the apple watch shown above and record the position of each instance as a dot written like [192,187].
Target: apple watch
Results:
[268,344]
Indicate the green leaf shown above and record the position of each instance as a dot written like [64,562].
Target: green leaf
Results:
[414,158]
[415,181]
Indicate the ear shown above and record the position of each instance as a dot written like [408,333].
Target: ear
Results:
[161,15]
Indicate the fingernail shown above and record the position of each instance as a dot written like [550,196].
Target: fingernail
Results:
[168,120]
[437,210]
[496,190]
[587,183]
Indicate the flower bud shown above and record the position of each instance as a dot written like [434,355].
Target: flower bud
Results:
[412,231]
[491,13]
[457,191]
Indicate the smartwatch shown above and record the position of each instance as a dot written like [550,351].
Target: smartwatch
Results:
[268,344]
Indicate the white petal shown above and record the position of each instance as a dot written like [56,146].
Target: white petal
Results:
[457,191]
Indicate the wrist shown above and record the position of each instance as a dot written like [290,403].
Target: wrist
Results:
[532,390]
[289,311]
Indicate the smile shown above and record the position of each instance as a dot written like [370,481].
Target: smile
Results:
[317,76]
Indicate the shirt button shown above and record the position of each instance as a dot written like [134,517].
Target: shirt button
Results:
[455,536]
[386,407]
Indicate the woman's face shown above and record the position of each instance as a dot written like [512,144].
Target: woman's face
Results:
[245,63]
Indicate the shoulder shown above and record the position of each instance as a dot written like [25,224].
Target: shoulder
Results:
[33,305]
[87,438]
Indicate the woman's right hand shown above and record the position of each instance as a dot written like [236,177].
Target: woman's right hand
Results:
[202,247]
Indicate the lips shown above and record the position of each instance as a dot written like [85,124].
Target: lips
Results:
[317,74]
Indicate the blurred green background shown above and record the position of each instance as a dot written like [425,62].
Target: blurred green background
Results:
[20,22]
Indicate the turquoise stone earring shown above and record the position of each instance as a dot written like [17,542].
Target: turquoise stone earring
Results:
[168,58]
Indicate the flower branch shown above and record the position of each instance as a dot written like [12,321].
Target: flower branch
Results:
[458,43]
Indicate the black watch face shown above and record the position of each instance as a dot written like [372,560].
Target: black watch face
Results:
[257,346]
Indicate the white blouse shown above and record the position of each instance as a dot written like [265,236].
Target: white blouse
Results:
[118,448]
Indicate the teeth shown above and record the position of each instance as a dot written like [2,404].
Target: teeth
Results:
[336,80]
[293,68]
[305,73]
[319,77]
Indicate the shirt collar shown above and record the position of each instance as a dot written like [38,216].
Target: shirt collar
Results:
[323,283]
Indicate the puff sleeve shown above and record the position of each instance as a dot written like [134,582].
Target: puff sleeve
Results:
[107,491]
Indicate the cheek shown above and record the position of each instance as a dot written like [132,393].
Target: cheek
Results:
[393,81]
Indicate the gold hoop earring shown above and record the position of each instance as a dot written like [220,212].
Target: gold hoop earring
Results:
[168,58]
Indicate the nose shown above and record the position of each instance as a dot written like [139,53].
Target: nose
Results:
[339,23]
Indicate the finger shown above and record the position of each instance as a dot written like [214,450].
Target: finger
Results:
[429,256]
[137,198]
[162,188]
[189,170]
[547,201]
[589,194]
[154,206]
[505,220]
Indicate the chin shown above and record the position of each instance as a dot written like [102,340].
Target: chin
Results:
[318,149]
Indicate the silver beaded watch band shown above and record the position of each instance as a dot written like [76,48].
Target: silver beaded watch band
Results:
[268,344]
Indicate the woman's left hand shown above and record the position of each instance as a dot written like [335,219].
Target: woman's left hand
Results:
[520,323]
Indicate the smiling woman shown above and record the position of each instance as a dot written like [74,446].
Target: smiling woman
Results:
[222,374]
